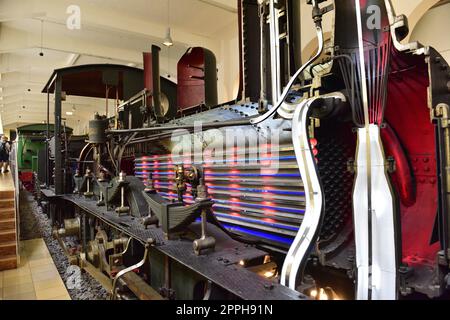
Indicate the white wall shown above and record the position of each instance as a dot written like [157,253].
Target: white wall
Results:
[433,30]
[228,62]
[1,125]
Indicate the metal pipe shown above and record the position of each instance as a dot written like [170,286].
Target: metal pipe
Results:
[107,98]
[112,158]
[59,184]
[122,197]
[208,125]
[126,246]
[80,158]
[47,182]
[352,86]
[156,82]
[140,96]
[274,50]
[263,104]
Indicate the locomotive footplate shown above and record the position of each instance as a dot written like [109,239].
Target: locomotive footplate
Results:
[221,266]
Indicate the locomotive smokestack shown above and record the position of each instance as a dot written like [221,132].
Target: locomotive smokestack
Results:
[148,75]
[152,80]
[156,82]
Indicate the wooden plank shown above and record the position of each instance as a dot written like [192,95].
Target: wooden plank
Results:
[7,236]
[8,249]
[6,182]
[7,194]
[7,214]
[8,224]
[7,203]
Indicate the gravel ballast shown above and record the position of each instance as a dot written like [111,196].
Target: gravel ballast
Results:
[35,224]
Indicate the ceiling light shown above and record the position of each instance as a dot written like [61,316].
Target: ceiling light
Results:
[69,113]
[168,42]
[41,53]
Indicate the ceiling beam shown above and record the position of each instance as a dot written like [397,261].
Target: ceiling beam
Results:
[9,17]
[224,5]
[72,59]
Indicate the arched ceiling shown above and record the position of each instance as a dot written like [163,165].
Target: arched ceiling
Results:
[113,31]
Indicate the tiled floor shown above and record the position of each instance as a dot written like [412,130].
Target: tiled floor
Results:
[36,278]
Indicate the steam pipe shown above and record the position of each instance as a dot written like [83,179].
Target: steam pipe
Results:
[81,157]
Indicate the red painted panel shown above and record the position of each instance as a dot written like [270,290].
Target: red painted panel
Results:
[408,114]
[191,88]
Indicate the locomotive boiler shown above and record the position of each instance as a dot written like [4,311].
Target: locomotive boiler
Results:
[324,179]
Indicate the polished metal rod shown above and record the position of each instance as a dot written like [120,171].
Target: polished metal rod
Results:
[208,125]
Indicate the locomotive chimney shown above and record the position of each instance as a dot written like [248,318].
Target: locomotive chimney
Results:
[152,80]
[156,82]
[148,76]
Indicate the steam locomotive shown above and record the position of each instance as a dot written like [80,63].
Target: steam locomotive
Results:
[324,179]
